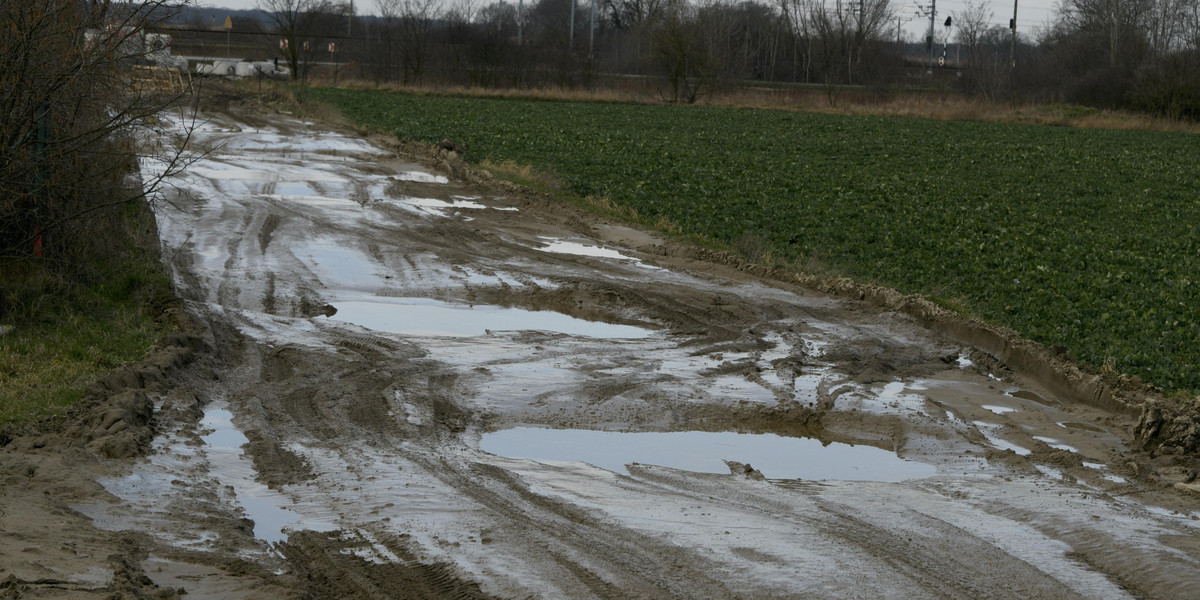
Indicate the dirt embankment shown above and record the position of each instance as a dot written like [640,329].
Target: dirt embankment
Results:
[49,549]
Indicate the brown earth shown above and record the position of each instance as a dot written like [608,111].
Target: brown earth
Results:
[371,440]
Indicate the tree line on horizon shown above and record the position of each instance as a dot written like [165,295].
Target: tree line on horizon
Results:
[1134,54]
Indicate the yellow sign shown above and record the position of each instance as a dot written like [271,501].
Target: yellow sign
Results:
[228,23]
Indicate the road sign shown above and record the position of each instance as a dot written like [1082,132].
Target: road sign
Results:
[228,23]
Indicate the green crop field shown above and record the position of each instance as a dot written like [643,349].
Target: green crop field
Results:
[1081,238]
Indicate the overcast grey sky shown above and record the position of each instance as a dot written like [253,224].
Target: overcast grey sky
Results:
[1030,13]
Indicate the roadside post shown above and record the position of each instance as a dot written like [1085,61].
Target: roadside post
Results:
[333,55]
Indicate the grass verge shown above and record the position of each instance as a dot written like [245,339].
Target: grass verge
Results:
[69,329]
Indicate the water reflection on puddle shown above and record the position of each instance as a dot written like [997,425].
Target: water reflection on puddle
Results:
[989,431]
[557,246]
[262,505]
[1000,410]
[777,457]
[423,316]
[565,247]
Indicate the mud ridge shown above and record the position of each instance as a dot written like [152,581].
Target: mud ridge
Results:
[115,417]
[330,570]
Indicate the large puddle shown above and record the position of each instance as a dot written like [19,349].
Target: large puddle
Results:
[775,456]
[423,316]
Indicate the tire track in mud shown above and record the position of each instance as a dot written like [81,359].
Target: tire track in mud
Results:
[609,562]
[330,569]
[238,251]
[944,561]
[1159,570]
[266,231]
[932,559]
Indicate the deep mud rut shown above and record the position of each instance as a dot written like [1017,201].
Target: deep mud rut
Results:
[395,354]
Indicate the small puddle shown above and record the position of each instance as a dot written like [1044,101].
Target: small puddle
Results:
[1103,468]
[989,431]
[1050,472]
[435,203]
[338,263]
[577,249]
[1028,395]
[294,188]
[1000,410]
[557,246]
[1083,426]
[424,316]
[1053,443]
[261,504]
[775,456]
[1191,519]
[421,177]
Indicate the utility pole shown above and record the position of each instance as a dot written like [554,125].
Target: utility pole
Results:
[900,21]
[571,34]
[1012,50]
[592,33]
[932,14]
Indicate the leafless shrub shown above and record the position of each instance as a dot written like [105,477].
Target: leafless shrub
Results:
[74,91]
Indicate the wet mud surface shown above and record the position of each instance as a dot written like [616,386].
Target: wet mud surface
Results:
[418,385]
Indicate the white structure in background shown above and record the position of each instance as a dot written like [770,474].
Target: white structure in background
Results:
[157,50]
[236,67]
[140,46]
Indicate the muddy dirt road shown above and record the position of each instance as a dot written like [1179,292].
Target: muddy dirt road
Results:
[421,387]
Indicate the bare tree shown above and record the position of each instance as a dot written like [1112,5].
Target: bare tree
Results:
[796,15]
[841,30]
[688,42]
[77,82]
[1190,20]
[1166,24]
[462,11]
[633,14]
[831,37]
[408,23]
[295,22]
[973,21]
[1117,27]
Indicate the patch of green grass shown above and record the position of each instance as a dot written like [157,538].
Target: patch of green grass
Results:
[1081,238]
[68,334]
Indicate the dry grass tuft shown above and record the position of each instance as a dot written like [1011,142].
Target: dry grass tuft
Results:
[605,204]
[521,174]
